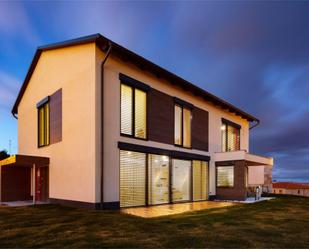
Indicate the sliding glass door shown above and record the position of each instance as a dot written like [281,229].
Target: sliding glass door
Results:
[158,179]
[200,180]
[181,180]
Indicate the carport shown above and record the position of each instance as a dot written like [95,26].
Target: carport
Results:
[24,178]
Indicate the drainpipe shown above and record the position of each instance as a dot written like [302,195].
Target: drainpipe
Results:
[255,125]
[102,125]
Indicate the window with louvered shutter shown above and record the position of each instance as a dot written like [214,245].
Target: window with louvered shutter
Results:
[230,137]
[225,176]
[200,180]
[133,112]
[43,125]
[140,113]
[132,178]
[126,109]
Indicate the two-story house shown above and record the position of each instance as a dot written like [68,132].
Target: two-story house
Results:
[102,127]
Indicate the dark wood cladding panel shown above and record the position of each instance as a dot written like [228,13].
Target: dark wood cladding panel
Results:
[160,117]
[200,129]
[239,190]
[55,106]
[15,183]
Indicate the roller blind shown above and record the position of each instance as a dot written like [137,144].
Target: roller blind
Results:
[225,176]
[126,109]
[140,113]
[132,178]
[200,180]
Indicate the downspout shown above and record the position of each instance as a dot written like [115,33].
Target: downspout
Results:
[102,126]
[255,125]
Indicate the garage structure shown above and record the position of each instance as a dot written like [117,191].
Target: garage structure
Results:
[24,178]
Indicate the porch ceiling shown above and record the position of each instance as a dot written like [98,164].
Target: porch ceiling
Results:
[251,159]
[25,161]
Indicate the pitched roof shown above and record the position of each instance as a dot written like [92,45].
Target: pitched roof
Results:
[141,62]
[290,185]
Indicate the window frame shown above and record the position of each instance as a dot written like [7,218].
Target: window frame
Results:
[227,123]
[129,82]
[217,176]
[183,105]
[41,105]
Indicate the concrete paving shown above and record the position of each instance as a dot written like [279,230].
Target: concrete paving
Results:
[171,209]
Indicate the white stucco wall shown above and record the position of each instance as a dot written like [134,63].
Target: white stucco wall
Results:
[256,175]
[112,69]
[72,161]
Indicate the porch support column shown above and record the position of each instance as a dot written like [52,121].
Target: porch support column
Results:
[33,180]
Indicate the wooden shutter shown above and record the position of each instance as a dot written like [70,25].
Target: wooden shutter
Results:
[55,106]
[199,129]
[160,117]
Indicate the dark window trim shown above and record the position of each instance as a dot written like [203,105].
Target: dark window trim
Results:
[227,165]
[133,112]
[42,102]
[171,153]
[133,82]
[182,125]
[183,103]
[228,122]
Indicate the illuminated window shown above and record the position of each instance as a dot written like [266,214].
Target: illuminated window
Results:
[200,180]
[225,176]
[230,135]
[182,126]
[43,124]
[133,112]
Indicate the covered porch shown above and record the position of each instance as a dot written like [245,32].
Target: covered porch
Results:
[245,171]
[24,178]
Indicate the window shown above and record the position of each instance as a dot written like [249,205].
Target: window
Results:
[43,124]
[133,112]
[158,179]
[182,126]
[200,180]
[225,176]
[230,136]
[132,178]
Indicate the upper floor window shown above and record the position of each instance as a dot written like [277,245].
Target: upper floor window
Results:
[133,111]
[230,134]
[182,129]
[43,122]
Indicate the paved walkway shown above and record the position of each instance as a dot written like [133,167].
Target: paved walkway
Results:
[21,203]
[170,209]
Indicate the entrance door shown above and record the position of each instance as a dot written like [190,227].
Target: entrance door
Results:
[181,180]
[41,184]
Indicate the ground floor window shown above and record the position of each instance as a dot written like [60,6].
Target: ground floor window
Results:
[200,179]
[225,176]
[158,179]
[148,179]
[132,178]
[181,180]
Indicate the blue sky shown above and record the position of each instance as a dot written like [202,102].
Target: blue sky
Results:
[252,54]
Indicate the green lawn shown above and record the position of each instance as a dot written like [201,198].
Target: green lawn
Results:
[279,223]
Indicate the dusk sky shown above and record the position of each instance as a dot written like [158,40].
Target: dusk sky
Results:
[253,54]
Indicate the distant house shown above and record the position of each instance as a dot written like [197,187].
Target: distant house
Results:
[102,127]
[291,188]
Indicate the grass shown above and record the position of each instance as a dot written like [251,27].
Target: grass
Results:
[279,223]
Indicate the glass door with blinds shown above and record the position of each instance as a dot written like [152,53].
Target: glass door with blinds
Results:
[132,179]
[158,179]
[200,180]
[181,180]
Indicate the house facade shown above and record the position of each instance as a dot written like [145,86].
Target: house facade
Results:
[101,127]
[291,188]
